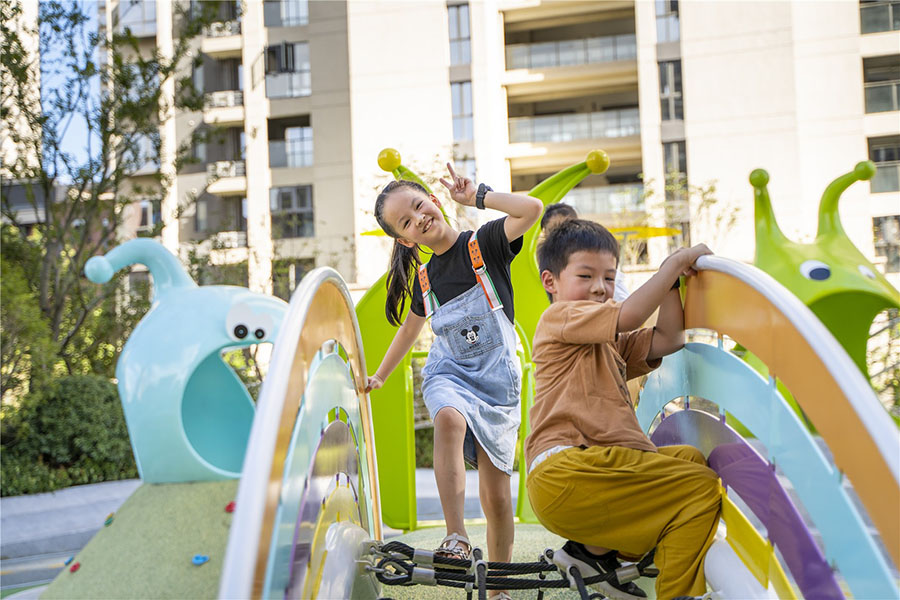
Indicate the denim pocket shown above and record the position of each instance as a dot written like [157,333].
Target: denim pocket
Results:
[473,335]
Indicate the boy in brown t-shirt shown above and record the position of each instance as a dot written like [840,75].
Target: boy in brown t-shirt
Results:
[594,477]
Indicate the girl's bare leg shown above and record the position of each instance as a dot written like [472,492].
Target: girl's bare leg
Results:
[496,502]
[449,467]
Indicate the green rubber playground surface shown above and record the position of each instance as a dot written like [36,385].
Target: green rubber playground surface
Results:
[146,551]
[529,544]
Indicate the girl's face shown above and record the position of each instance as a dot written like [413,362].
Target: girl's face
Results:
[414,216]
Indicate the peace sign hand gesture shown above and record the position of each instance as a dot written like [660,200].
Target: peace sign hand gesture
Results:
[462,189]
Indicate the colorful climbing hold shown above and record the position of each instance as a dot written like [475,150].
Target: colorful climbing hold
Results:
[75,567]
[199,559]
[69,560]
[229,508]
[109,519]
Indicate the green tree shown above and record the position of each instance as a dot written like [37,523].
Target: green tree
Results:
[69,74]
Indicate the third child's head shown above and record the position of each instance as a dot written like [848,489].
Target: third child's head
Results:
[407,212]
[556,213]
[578,261]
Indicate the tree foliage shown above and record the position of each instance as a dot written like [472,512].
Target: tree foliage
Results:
[56,74]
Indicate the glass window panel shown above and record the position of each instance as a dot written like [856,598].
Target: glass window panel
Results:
[467,98]
[676,66]
[543,55]
[876,17]
[464,21]
[453,21]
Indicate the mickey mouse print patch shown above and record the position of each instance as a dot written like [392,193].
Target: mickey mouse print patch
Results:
[471,335]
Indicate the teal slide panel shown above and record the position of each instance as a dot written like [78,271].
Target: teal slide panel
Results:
[711,373]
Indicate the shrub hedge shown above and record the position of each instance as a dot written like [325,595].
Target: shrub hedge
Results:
[71,431]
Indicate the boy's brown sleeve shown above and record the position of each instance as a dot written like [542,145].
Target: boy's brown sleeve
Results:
[581,322]
[633,347]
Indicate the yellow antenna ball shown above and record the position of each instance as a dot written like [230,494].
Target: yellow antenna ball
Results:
[597,161]
[389,160]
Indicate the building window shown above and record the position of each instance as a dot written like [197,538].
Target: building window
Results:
[285,13]
[677,199]
[151,215]
[288,72]
[139,16]
[465,167]
[879,15]
[286,275]
[460,46]
[667,27]
[882,83]
[670,100]
[461,100]
[139,284]
[237,209]
[885,153]
[201,215]
[292,212]
[887,241]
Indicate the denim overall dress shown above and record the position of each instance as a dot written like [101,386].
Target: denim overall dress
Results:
[472,366]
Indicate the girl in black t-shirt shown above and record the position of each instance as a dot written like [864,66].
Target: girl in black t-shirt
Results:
[471,381]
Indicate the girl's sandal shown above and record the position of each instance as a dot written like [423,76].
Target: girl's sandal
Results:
[452,547]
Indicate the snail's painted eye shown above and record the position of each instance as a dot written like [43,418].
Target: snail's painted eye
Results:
[866,271]
[260,333]
[815,270]
[240,331]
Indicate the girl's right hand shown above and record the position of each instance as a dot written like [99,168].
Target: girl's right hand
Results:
[462,189]
[374,382]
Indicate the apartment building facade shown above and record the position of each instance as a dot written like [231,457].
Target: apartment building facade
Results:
[285,181]
[681,95]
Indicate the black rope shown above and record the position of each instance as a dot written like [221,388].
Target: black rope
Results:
[397,568]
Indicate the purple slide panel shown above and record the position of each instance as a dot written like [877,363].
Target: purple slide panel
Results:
[752,477]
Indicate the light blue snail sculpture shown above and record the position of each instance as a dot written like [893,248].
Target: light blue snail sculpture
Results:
[188,413]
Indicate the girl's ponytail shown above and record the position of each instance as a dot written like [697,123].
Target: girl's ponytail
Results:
[404,260]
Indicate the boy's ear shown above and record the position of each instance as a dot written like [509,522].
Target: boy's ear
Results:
[405,242]
[549,282]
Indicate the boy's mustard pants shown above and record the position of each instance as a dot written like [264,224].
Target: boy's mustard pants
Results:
[632,501]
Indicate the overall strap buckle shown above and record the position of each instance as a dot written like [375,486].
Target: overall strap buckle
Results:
[481,274]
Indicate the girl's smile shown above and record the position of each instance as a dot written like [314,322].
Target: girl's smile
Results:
[417,219]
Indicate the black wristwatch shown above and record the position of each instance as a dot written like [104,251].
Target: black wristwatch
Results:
[479,195]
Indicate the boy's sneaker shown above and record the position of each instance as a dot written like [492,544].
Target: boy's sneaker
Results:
[590,565]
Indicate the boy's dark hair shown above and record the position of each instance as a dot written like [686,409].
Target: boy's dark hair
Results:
[404,261]
[570,236]
[555,211]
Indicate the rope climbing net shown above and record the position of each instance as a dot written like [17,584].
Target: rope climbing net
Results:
[396,563]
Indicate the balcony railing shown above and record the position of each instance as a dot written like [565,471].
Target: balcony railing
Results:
[288,85]
[293,153]
[882,96]
[226,168]
[223,99]
[224,240]
[223,28]
[567,53]
[879,16]
[887,177]
[564,128]
[610,199]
